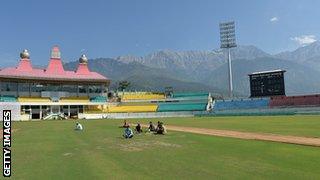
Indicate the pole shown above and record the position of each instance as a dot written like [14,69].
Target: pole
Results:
[69,111]
[40,113]
[230,75]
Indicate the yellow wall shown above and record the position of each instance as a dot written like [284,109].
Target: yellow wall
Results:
[75,99]
[145,108]
[140,96]
[33,99]
[121,109]
[68,99]
[94,109]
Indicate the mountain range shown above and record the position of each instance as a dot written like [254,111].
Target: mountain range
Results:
[207,70]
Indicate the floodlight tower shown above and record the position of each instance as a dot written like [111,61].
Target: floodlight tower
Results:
[228,41]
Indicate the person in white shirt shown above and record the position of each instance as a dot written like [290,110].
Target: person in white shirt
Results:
[79,127]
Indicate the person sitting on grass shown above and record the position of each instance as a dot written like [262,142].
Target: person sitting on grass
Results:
[164,129]
[128,133]
[125,124]
[158,126]
[78,127]
[151,127]
[138,128]
[161,129]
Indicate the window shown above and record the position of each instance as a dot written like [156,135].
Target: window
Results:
[82,89]
[24,87]
[8,86]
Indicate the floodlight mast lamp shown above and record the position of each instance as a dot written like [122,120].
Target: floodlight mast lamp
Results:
[228,41]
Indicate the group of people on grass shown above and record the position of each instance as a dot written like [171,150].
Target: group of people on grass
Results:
[128,133]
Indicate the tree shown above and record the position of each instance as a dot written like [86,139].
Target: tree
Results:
[123,85]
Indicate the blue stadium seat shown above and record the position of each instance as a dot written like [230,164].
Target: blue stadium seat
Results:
[8,99]
[98,99]
[241,104]
[166,107]
[179,95]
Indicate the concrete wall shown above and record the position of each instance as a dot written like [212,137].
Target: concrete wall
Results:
[284,101]
[136,115]
[15,110]
[264,111]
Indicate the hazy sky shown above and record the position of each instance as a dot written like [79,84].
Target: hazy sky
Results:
[111,28]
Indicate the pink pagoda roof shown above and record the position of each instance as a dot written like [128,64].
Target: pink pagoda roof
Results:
[54,71]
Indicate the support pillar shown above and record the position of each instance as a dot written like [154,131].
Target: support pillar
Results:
[29,89]
[77,90]
[87,87]
[40,113]
[30,112]
[17,89]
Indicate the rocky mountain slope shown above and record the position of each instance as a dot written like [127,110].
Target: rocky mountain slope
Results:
[207,70]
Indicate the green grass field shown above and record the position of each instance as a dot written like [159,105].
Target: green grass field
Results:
[308,126]
[53,150]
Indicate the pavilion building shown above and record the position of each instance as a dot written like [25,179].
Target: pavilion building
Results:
[52,92]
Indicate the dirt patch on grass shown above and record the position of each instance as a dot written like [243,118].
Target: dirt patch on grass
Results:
[167,144]
[130,147]
[67,154]
[249,135]
[143,144]
[99,148]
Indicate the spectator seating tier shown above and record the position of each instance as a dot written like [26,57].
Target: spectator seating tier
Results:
[75,99]
[241,104]
[8,99]
[166,107]
[122,109]
[98,99]
[141,96]
[33,99]
[179,95]
[287,101]
[192,98]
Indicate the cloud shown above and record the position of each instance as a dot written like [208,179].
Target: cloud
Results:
[304,39]
[274,19]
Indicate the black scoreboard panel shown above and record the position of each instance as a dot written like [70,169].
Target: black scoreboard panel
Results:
[267,83]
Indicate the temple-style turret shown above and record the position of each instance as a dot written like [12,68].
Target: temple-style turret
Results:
[83,59]
[24,64]
[25,54]
[83,65]
[55,65]
[53,73]
[55,53]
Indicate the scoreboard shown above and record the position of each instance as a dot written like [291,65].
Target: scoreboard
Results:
[267,83]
